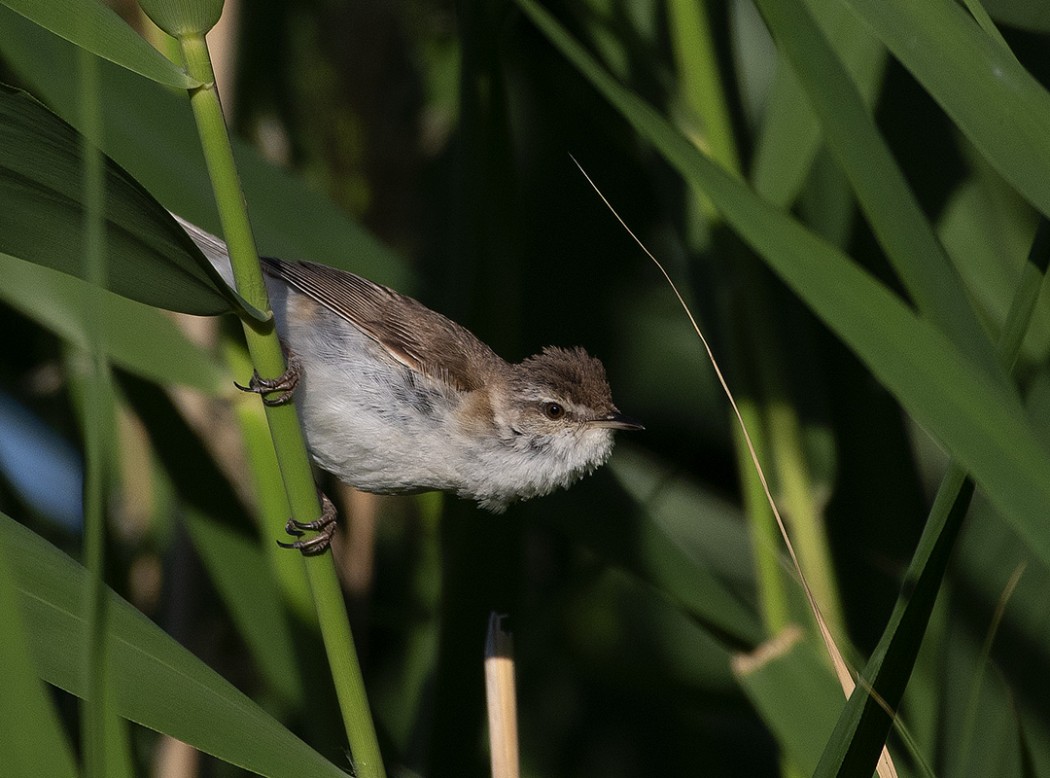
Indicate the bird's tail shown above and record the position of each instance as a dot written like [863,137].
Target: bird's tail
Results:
[213,248]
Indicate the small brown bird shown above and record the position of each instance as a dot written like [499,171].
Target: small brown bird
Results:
[395,398]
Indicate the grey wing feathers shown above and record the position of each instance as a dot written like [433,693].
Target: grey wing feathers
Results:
[416,336]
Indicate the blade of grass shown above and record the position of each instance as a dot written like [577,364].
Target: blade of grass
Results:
[152,260]
[680,574]
[714,537]
[700,563]
[160,685]
[864,724]
[882,192]
[34,742]
[790,134]
[94,26]
[997,104]
[980,15]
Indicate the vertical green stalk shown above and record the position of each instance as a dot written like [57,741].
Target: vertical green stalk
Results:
[104,746]
[690,31]
[799,504]
[289,443]
[802,510]
[774,427]
[261,461]
[706,122]
[97,429]
[765,539]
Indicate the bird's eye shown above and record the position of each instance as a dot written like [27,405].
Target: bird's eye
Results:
[553,411]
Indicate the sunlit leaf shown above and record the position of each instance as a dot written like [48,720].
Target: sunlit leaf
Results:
[95,27]
[183,17]
[159,684]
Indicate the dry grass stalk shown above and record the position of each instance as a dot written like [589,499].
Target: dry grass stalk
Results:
[501,700]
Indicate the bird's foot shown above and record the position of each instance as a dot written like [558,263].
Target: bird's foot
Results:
[284,383]
[324,526]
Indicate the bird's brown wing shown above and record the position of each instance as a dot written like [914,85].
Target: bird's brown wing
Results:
[414,335]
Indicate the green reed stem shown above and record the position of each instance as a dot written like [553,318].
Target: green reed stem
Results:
[288,439]
[97,420]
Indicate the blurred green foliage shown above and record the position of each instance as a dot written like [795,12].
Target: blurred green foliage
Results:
[445,135]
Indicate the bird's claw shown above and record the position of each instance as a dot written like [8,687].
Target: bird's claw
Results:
[284,383]
[324,526]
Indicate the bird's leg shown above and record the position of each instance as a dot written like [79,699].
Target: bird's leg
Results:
[284,383]
[323,526]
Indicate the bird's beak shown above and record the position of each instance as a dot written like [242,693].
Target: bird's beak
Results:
[616,421]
